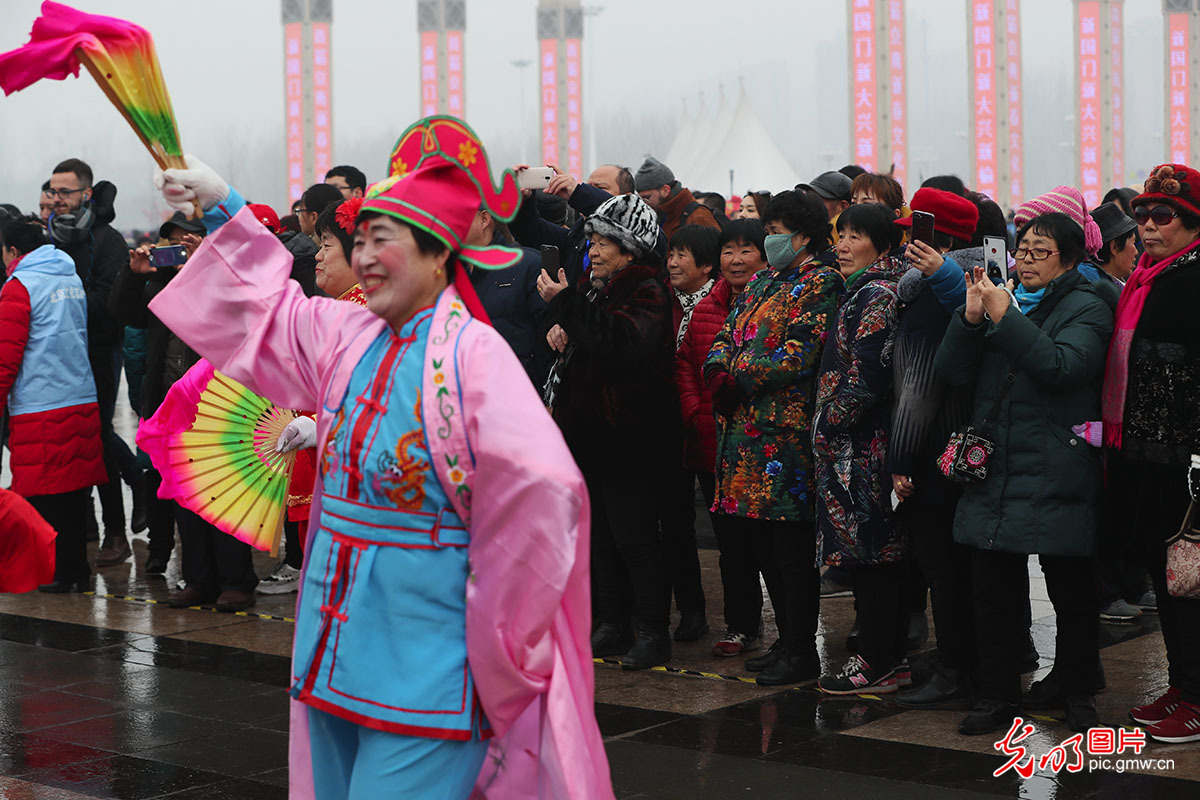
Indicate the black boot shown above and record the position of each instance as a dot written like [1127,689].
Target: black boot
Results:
[653,647]
[64,586]
[1081,713]
[988,716]
[1049,692]
[759,663]
[918,631]
[789,669]
[139,517]
[945,689]
[611,639]
[692,625]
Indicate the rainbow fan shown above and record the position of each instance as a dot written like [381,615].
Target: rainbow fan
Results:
[118,54]
[213,441]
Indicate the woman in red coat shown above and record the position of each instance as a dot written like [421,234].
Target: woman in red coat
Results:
[741,256]
[46,383]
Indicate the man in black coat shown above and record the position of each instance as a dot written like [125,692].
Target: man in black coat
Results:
[81,227]
[511,298]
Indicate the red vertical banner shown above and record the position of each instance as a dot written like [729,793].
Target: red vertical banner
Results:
[1180,81]
[322,124]
[1090,145]
[983,73]
[455,96]
[293,71]
[1016,155]
[574,109]
[549,83]
[1116,78]
[429,73]
[862,42]
[896,77]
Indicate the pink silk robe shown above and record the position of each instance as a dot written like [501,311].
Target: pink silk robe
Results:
[528,597]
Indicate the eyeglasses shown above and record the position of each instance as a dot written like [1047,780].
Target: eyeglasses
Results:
[1037,253]
[1162,215]
[65,193]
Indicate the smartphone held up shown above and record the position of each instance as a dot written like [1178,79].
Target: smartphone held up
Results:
[174,255]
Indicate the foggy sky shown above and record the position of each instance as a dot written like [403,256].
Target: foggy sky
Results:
[223,63]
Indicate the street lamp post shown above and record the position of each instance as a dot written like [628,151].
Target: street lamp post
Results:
[521,64]
[589,95]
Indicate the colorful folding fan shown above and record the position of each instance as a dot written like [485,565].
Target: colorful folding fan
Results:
[120,56]
[213,441]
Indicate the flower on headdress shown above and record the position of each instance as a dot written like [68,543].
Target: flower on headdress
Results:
[399,167]
[1170,186]
[347,213]
[467,153]
[1164,172]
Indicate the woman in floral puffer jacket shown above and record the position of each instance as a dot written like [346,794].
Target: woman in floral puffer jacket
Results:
[762,372]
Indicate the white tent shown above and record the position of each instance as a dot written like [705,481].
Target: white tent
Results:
[743,146]
[711,137]
[694,142]
[683,138]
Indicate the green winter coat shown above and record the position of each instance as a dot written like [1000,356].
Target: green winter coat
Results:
[1042,491]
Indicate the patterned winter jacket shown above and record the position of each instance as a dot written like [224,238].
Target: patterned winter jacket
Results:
[771,346]
[855,523]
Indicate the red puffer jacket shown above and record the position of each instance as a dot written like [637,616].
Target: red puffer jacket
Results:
[52,451]
[695,400]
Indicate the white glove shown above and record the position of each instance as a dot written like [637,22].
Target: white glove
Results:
[300,434]
[198,183]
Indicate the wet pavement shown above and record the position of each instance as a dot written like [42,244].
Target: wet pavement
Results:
[114,694]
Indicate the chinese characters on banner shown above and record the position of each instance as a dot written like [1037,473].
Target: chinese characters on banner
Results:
[454,73]
[983,73]
[1116,72]
[1015,142]
[1180,81]
[294,118]
[574,110]
[549,82]
[862,28]
[429,73]
[1089,102]
[322,127]
[899,118]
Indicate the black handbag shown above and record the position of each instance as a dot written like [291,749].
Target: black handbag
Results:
[969,450]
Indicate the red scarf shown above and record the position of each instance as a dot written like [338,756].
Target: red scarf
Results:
[1129,311]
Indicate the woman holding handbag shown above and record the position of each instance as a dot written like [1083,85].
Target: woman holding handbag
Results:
[1035,359]
[1151,407]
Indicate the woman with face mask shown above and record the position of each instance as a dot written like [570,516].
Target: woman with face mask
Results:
[762,374]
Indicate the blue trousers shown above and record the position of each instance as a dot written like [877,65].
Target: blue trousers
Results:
[353,762]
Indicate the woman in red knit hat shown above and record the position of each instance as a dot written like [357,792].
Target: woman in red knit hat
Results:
[1151,405]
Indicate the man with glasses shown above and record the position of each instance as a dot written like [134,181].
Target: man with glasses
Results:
[80,224]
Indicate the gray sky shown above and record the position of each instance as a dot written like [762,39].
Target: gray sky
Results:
[223,62]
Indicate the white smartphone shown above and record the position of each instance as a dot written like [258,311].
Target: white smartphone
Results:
[535,178]
[995,258]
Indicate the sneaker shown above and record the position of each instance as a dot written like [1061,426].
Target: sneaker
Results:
[1119,611]
[903,673]
[734,644]
[1182,726]
[284,579]
[857,677]
[1160,709]
[1148,602]
[831,587]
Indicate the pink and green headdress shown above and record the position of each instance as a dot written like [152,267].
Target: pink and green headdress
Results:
[438,179]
